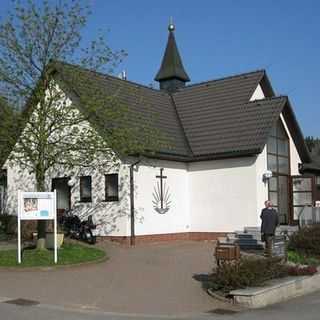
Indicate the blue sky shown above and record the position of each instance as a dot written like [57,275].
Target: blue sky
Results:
[221,38]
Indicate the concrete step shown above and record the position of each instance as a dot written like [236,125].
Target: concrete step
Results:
[250,239]
[247,243]
[251,229]
[244,236]
[251,247]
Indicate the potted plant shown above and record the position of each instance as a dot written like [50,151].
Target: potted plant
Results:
[50,238]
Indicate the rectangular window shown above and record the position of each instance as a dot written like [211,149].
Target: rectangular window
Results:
[283,147]
[112,187]
[283,165]
[278,162]
[302,194]
[85,189]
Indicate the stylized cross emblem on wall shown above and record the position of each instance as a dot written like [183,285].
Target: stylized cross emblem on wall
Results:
[161,177]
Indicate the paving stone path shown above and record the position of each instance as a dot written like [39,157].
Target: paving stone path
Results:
[149,279]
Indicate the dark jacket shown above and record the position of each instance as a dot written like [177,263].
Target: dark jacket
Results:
[269,221]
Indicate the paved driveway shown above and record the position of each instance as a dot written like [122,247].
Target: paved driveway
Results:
[149,279]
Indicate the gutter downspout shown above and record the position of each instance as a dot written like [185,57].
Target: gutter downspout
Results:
[132,221]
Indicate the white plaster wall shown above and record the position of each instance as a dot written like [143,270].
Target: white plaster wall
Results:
[112,217]
[257,94]
[18,179]
[262,187]
[148,220]
[223,195]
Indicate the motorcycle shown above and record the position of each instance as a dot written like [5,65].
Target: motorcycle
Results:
[77,229]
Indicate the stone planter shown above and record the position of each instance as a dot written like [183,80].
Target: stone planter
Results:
[277,290]
[50,240]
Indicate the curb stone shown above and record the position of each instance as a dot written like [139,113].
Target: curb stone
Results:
[219,297]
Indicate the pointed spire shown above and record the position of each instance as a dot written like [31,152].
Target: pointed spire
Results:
[171,67]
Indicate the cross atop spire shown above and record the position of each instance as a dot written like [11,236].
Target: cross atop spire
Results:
[171,74]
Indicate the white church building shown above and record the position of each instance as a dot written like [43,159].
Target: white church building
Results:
[235,145]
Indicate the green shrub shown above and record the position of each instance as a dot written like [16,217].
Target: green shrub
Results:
[246,273]
[306,240]
[301,258]
[8,224]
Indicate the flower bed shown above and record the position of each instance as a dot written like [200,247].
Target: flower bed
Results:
[253,272]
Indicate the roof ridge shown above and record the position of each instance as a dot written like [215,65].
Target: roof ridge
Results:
[158,90]
[106,75]
[223,78]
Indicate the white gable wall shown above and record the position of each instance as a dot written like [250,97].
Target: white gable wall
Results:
[294,155]
[257,94]
[111,217]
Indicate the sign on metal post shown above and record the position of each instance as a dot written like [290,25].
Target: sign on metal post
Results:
[37,206]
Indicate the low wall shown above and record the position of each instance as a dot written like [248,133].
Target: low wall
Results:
[140,239]
[277,291]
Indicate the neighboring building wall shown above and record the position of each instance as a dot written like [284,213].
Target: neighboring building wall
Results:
[148,219]
[223,195]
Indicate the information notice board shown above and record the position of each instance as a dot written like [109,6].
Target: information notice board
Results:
[37,206]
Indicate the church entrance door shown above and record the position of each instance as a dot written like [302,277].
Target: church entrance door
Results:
[63,194]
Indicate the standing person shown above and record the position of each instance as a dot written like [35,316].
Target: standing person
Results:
[269,222]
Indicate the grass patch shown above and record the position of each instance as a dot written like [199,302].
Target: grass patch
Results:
[300,258]
[69,254]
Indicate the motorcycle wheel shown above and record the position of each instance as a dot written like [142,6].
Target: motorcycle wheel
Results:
[91,239]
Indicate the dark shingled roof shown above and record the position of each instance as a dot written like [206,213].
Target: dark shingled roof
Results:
[210,120]
[211,112]
[144,103]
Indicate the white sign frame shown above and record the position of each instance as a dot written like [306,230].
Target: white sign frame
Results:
[51,214]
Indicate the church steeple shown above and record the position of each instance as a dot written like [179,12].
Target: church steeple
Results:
[171,75]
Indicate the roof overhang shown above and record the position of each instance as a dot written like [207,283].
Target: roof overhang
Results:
[296,132]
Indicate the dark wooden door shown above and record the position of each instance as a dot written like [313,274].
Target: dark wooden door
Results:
[63,193]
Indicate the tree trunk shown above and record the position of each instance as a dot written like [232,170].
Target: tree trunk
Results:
[42,224]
